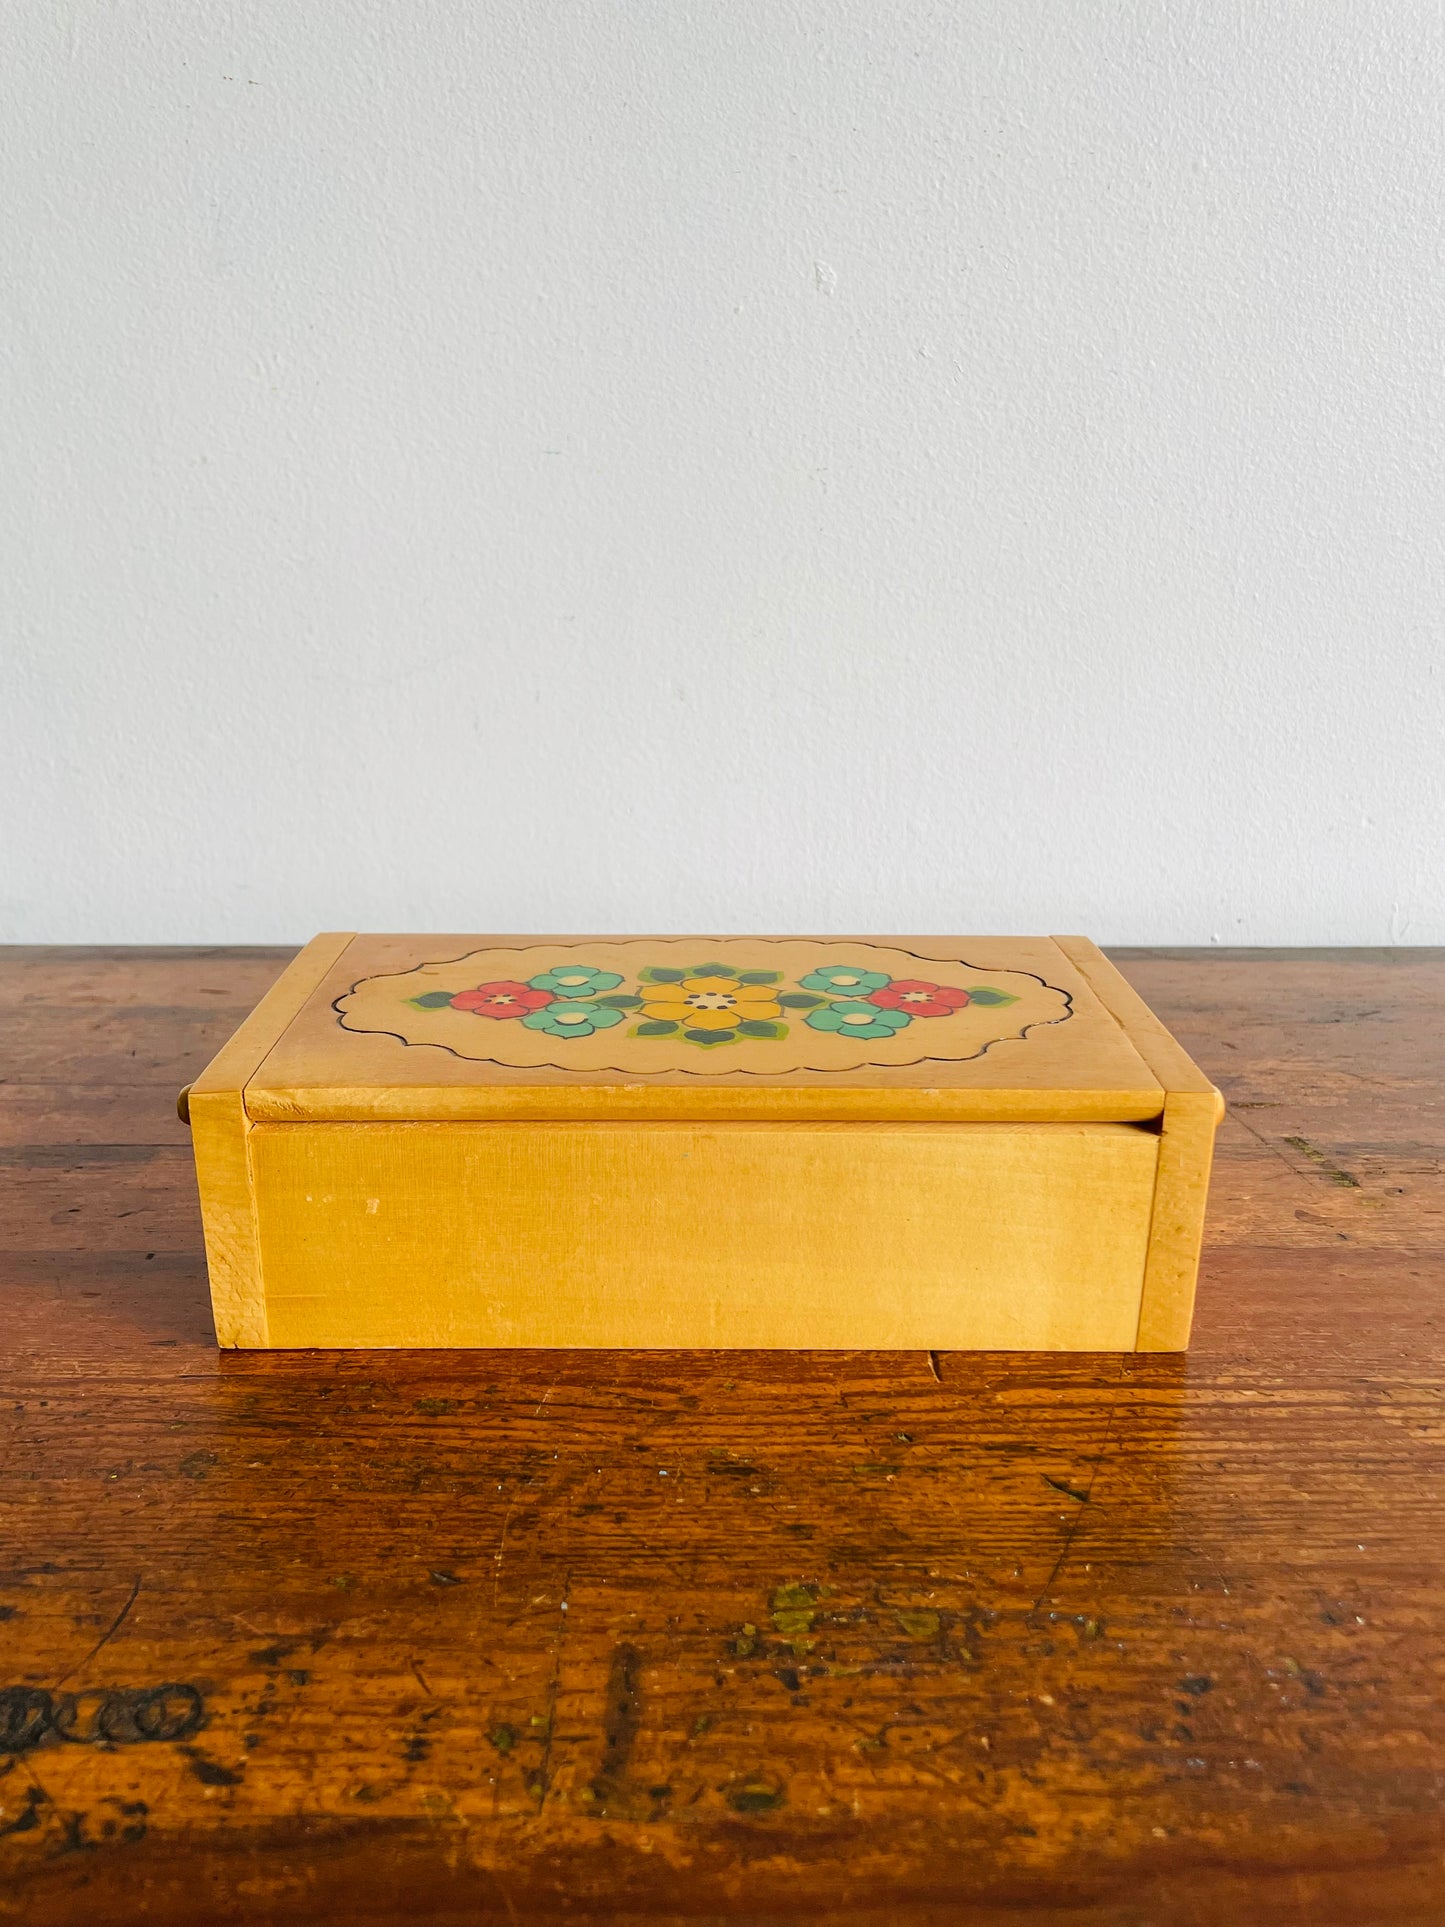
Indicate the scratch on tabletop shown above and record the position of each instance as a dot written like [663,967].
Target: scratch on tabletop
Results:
[552,1686]
[1274,1149]
[1083,1504]
[506,1897]
[109,1633]
[502,1539]
[933,1366]
[1069,1491]
[1333,1172]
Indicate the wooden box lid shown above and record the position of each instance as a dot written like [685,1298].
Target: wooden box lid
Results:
[910,1029]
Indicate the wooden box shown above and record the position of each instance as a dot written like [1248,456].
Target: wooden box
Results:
[930,1142]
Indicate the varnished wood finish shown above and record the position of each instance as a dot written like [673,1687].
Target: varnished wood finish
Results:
[867,1639]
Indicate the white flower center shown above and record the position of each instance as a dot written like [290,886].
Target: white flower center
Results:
[859,1017]
[841,977]
[711,1000]
[571,977]
[571,1017]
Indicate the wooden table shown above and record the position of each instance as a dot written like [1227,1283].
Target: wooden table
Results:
[869,1639]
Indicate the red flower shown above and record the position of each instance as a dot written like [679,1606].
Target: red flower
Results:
[501,999]
[919,999]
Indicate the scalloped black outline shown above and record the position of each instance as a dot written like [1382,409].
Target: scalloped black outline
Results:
[619,1070]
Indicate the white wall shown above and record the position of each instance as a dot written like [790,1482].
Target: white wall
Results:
[631,464]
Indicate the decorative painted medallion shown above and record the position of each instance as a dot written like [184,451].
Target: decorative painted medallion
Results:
[736,1004]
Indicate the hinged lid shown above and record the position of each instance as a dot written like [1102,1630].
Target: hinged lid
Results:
[909,1029]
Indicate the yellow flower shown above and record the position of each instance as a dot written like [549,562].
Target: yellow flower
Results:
[709,1003]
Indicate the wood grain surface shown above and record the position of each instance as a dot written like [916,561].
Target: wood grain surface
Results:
[837,1237]
[880,1639]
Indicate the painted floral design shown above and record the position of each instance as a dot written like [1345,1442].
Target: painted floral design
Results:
[844,980]
[500,1000]
[711,1004]
[560,991]
[574,981]
[573,1020]
[917,998]
[858,1019]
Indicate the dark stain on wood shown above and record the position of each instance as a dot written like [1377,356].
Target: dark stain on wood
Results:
[208,1771]
[31,1716]
[611,1790]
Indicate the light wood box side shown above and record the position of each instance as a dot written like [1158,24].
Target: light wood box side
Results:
[1193,1108]
[788,1236]
[220,1131]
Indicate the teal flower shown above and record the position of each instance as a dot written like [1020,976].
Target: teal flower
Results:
[849,1019]
[841,980]
[574,980]
[574,1020]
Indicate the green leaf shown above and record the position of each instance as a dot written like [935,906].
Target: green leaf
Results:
[800,1000]
[615,1000]
[655,1027]
[660,976]
[712,970]
[432,999]
[759,1027]
[760,976]
[706,1037]
[986,996]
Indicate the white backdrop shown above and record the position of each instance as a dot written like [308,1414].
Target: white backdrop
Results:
[639,464]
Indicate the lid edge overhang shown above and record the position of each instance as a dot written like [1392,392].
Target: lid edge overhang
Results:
[621,1103]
